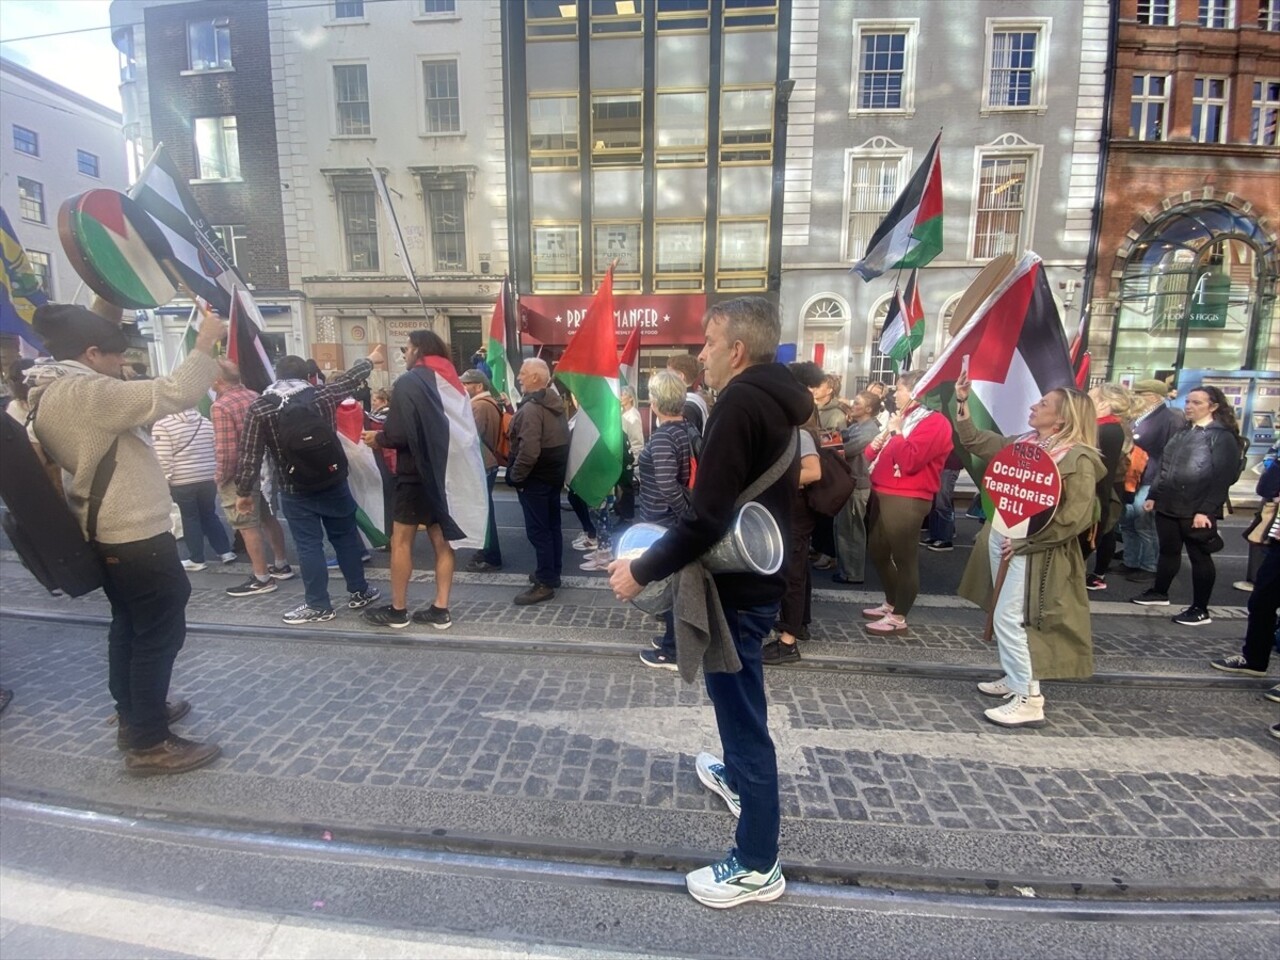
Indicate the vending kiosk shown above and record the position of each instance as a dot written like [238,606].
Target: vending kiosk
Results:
[1255,394]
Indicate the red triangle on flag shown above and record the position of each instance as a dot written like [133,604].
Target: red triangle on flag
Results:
[593,350]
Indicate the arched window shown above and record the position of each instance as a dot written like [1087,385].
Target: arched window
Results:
[881,366]
[825,332]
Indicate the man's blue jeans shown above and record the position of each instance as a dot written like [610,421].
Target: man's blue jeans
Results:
[198,505]
[541,505]
[751,764]
[492,552]
[1138,527]
[942,518]
[312,516]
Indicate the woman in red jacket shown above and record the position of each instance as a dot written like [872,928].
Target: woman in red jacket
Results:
[906,471]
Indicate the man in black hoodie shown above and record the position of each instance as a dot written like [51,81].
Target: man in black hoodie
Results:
[757,410]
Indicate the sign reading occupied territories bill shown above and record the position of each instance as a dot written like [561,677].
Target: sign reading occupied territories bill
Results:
[1025,487]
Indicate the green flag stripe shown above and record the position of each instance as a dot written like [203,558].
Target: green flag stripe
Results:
[929,235]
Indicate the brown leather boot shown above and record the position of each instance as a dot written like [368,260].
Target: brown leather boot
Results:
[535,594]
[176,710]
[174,755]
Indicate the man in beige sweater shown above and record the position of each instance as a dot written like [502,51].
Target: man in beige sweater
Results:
[84,412]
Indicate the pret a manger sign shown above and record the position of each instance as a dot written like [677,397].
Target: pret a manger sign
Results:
[1025,488]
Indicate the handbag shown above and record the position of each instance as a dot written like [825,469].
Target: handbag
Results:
[830,492]
[1207,537]
[1257,532]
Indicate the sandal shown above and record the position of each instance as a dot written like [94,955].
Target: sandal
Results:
[878,613]
[890,623]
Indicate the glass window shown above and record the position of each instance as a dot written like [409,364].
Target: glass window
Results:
[447,208]
[1155,13]
[874,183]
[616,241]
[1013,69]
[1266,110]
[128,61]
[359,210]
[348,10]
[87,163]
[684,15]
[746,125]
[209,44]
[217,148]
[616,129]
[679,255]
[26,141]
[553,132]
[882,366]
[881,70]
[31,200]
[440,87]
[742,255]
[351,98]
[1149,100]
[557,257]
[1209,110]
[1001,206]
[231,236]
[439,7]
[1217,14]
[750,14]
[550,19]
[617,17]
[40,269]
[1269,15]
[682,127]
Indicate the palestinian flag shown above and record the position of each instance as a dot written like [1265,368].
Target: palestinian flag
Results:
[434,408]
[589,368]
[189,344]
[244,346]
[198,255]
[903,329]
[20,292]
[503,350]
[911,233]
[117,249]
[1017,353]
[628,359]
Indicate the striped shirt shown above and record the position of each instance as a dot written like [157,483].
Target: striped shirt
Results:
[663,473]
[184,447]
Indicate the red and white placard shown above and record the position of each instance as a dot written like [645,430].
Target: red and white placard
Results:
[1025,488]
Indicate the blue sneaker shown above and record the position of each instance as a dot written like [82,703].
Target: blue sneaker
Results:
[712,774]
[728,883]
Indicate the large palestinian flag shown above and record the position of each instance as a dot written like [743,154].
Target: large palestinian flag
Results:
[589,368]
[1017,353]
[911,233]
[502,352]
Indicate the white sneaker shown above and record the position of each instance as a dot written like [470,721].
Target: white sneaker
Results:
[192,567]
[996,688]
[729,883]
[1018,711]
[597,560]
[583,542]
[712,774]
[1245,586]
[227,557]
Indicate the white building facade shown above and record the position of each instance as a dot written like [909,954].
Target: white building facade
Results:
[1018,91]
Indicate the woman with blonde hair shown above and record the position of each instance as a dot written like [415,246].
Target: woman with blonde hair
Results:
[1041,616]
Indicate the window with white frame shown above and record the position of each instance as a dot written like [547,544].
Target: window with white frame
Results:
[553,132]
[884,65]
[873,180]
[1003,201]
[40,268]
[1265,113]
[348,10]
[1269,15]
[209,44]
[87,163]
[882,367]
[439,8]
[217,148]
[824,327]
[351,100]
[1017,64]
[440,91]
[447,210]
[359,212]
[1217,14]
[1209,110]
[31,200]
[1147,105]
[26,141]
[1155,13]
[231,237]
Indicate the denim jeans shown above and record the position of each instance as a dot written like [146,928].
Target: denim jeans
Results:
[148,590]
[751,764]
[198,505]
[312,517]
[492,552]
[851,537]
[1011,635]
[1138,528]
[942,518]
[541,505]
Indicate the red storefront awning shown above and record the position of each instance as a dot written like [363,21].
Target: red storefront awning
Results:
[663,318]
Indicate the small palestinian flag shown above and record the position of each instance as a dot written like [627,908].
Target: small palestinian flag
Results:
[117,249]
[502,352]
[911,233]
[245,348]
[904,326]
[628,359]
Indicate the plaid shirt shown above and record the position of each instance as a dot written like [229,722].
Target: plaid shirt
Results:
[260,425]
[228,415]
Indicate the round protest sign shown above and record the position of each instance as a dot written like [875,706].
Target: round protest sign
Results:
[1025,487]
[117,249]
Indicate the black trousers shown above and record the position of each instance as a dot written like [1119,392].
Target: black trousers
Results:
[1173,535]
[148,590]
[1264,605]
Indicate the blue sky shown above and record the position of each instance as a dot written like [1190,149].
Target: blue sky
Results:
[86,62]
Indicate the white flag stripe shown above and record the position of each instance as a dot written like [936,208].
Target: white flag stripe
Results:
[380,184]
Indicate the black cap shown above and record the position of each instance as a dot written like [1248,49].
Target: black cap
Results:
[68,331]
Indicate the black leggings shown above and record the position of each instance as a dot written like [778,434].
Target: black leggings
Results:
[1172,532]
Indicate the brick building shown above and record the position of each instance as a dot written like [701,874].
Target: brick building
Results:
[1187,257]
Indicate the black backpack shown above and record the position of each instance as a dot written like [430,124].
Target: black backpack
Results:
[43,530]
[310,454]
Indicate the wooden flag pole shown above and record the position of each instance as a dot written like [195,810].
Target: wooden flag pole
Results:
[1001,573]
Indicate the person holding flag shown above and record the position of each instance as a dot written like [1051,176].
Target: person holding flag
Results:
[1040,611]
